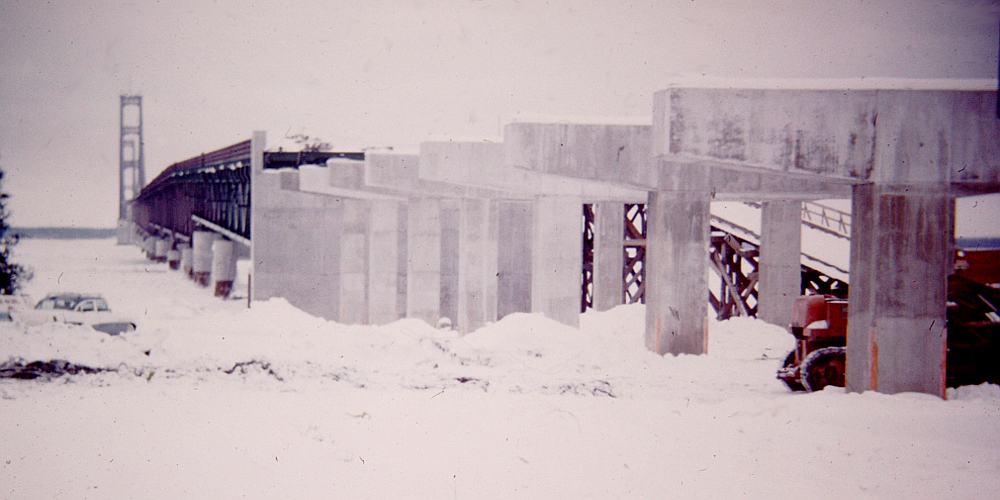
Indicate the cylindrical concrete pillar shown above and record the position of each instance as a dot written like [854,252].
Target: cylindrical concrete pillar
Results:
[149,247]
[174,259]
[160,247]
[186,254]
[201,258]
[223,267]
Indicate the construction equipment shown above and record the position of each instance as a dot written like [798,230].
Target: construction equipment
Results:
[819,324]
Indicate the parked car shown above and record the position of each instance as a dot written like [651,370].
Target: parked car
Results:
[80,309]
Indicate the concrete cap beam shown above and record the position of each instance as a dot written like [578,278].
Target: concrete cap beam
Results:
[493,165]
[839,135]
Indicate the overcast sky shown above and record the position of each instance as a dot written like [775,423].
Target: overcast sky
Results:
[393,73]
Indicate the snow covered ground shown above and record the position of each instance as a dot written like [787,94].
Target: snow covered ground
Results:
[213,400]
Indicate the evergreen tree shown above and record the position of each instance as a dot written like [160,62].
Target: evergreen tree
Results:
[11,275]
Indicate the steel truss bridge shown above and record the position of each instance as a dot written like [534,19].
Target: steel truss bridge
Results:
[211,190]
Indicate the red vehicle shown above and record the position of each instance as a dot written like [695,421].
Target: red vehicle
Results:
[819,324]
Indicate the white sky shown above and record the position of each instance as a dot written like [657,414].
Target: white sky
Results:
[394,72]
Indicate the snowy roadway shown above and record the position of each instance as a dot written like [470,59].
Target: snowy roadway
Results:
[524,408]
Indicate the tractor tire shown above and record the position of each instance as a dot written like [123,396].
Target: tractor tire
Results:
[824,367]
[794,385]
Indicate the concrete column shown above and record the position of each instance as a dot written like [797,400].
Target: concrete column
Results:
[354,265]
[124,232]
[901,240]
[423,280]
[780,268]
[174,259]
[186,255]
[477,297]
[557,260]
[160,247]
[902,235]
[676,289]
[149,247]
[201,259]
[450,262]
[514,234]
[383,262]
[223,267]
[609,255]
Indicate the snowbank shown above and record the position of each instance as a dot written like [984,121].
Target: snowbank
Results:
[272,402]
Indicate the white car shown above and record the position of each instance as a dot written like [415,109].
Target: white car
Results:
[79,309]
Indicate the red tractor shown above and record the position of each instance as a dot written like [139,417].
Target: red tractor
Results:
[819,324]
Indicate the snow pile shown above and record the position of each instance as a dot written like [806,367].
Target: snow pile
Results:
[272,402]
[57,341]
[520,353]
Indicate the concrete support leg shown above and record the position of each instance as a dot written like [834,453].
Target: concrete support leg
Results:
[901,243]
[174,259]
[160,247]
[557,258]
[450,261]
[383,262]
[149,247]
[609,255]
[423,279]
[223,267]
[186,257]
[124,232]
[201,262]
[780,256]
[514,232]
[676,289]
[354,265]
[477,297]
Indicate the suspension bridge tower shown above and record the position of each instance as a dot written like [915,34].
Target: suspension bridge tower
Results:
[131,168]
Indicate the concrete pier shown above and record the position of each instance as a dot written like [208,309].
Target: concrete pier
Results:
[174,259]
[353,266]
[423,276]
[160,247]
[676,253]
[901,240]
[557,258]
[201,259]
[780,255]
[223,267]
[450,261]
[609,255]
[186,258]
[515,237]
[386,244]
[477,252]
